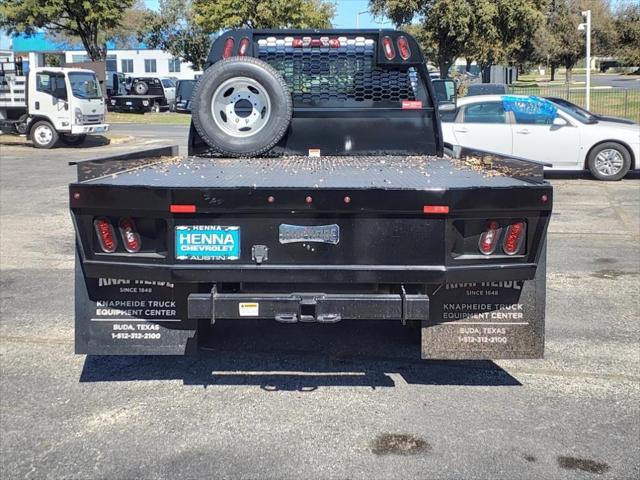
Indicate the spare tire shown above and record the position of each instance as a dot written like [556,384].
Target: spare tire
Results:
[140,87]
[241,106]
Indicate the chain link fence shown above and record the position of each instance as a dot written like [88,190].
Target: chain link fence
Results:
[616,102]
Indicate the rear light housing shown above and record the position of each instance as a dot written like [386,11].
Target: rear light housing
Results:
[489,238]
[514,237]
[129,234]
[389,49]
[227,51]
[106,235]
[403,47]
[244,47]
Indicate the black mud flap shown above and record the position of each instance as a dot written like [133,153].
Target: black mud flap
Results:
[487,320]
[129,317]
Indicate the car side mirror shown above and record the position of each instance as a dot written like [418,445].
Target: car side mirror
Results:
[559,122]
[446,95]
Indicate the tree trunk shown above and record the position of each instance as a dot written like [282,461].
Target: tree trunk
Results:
[567,75]
[468,65]
[553,72]
[485,70]
[444,68]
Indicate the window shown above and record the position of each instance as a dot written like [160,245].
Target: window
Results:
[174,65]
[166,83]
[79,58]
[52,84]
[127,65]
[150,65]
[485,112]
[84,85]
[112,63]
[530,110]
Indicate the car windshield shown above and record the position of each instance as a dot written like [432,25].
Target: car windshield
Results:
[84,85]
[575,112]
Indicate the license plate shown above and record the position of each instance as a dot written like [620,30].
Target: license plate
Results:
[207,242]
[128,103]
[309,233]
[99,129]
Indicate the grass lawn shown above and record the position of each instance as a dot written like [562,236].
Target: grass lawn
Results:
[165,118]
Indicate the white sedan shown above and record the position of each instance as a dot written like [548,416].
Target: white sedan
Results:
[537,129]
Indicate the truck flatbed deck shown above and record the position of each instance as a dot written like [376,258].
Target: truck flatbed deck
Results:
[361,172]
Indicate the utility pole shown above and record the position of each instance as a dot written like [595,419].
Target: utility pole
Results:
[587,26]
[358,17]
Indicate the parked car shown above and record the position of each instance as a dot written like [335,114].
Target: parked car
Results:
[537,129]
[584,114]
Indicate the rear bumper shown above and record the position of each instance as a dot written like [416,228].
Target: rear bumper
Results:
[89,129]
[301,273]
[307,307]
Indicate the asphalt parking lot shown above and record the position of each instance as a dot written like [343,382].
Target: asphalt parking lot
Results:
[307,401]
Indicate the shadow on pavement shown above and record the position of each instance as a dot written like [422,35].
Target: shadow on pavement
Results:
[583,175]
[301,357]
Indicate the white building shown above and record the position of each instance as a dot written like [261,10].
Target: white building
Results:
[38,50]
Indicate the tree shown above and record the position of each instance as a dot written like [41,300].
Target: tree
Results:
[84,19]
[443,29]
[627,24]
[226,14]
[172,28]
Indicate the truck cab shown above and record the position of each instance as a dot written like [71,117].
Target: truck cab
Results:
[61,104]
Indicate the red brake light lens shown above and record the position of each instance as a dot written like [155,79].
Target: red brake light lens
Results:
[244,47]
[403,47]
[106,235]
[514,238]
[228,47]
[389,49]
[130,236]
[297,43]
[334,43]
[489,238]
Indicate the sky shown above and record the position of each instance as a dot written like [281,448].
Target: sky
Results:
[346,11]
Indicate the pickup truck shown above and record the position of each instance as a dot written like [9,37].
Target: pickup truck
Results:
[147,94]
[315,189]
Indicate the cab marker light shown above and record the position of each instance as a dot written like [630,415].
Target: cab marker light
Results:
[389,49]
[106,235]
[228,47]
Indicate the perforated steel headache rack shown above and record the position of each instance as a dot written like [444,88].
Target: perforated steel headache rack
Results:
[370,87]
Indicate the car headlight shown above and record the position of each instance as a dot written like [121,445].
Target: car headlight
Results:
[77,114]
[145,103]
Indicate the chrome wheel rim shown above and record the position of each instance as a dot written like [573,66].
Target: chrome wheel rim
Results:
[241,107]
[609,162]
[43,134]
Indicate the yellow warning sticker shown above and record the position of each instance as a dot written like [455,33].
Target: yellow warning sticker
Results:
[249,309]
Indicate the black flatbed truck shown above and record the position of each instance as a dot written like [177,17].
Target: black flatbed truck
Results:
[311,232]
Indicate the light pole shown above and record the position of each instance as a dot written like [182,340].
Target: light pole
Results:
[587,26]
[358,17]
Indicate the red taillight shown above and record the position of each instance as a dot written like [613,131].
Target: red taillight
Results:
[514,238]
[316,42]
[228,47]
[106,235]
[176,208]
[297,43]
[129,235]
[244,47]
[389,50]
[489,238]
[436,209]
[403,47]
[334,43]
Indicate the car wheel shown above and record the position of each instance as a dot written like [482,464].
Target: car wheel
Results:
[72,140]
[241,107]
[43,135]
[609,161]
[140,87]
[449,152]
